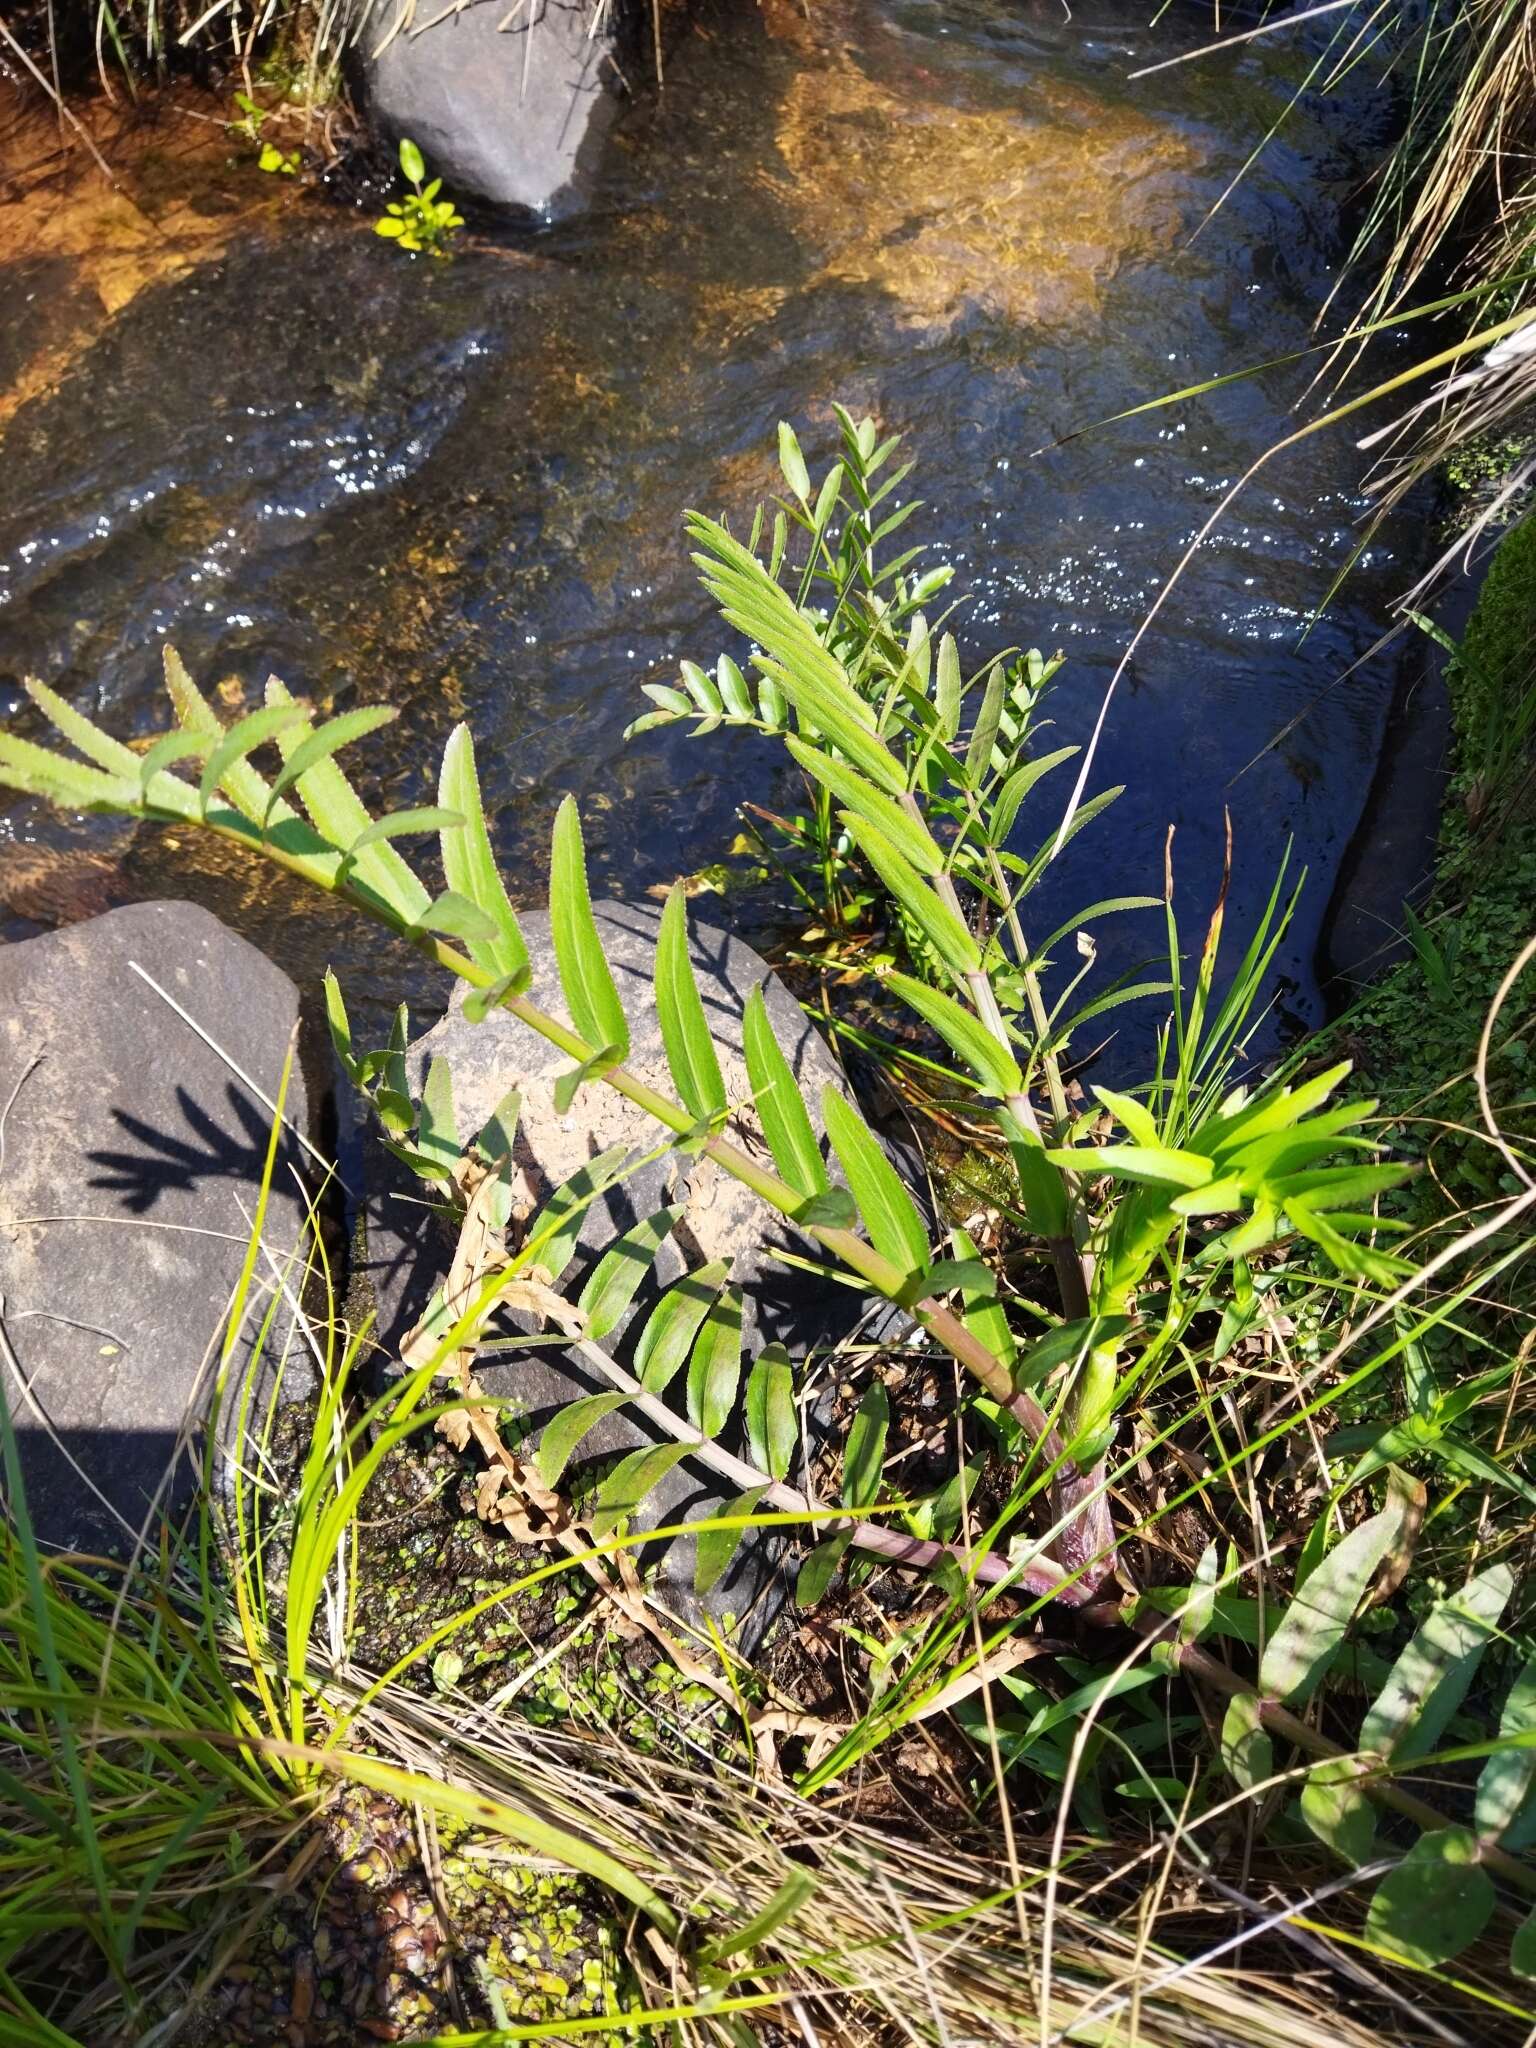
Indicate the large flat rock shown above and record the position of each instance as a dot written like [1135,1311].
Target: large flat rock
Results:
[409,1247]
[506,103]
[129,1171]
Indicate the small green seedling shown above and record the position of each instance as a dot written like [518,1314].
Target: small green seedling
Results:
[284,164]
[420,221]
[250,118]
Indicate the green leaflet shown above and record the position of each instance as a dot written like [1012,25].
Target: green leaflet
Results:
[1156,1165]
[438,1138]
[907,833]
[339,816]
[946,688]
[1013,793]
[1313,1626]
[163,754]
[1201,1609]
[1246,1751]
[984,1315]
[1436,1902]
[552,1236]
[673,1324]
[242,740]
[792,462]
[69,784]
[895,1228]
[992,1064]
[732,685]
[246,790]
[1135,1116]
[691,1056]
[118,761]
[1522,1950]
[341,1029]
[941,927]
[469,866]
[772,1426]
[816,1574]
[1507,1777]
[563,1432]
[621,1269]
[978,754]
[594,1002]
[780,1106]
[627,1485]
[1337,1810]
[1430,1679]
[326,740]
[569,1084]
[454,917]
[864,1457]
[714,1548]
[496,1135]
[400,824]
[714,1370]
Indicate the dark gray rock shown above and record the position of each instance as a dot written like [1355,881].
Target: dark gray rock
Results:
[513,114]
[130,1159]
[409,1248]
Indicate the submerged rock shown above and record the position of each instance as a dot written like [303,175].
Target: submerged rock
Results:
[515,114]
[409,1247]
[131,1154]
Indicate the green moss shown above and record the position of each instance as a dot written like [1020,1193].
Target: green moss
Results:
[1416,1035]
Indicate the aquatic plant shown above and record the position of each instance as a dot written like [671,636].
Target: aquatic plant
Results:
[420,222]
[1172,1233]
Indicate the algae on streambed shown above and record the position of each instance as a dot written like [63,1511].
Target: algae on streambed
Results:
[400,1928]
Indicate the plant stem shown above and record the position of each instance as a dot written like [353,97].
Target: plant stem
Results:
[1042,1577]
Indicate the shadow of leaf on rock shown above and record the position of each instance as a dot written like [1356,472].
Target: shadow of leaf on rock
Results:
[162,1162]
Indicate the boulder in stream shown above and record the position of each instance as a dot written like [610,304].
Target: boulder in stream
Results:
[140,1053]
[506,103]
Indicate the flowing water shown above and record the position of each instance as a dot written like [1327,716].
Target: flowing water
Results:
[457,487]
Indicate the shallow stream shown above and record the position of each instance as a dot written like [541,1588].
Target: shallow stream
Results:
[457,487]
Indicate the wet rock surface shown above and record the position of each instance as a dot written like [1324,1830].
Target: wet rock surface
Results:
[130,1165]
[409,1246]
[510,108]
